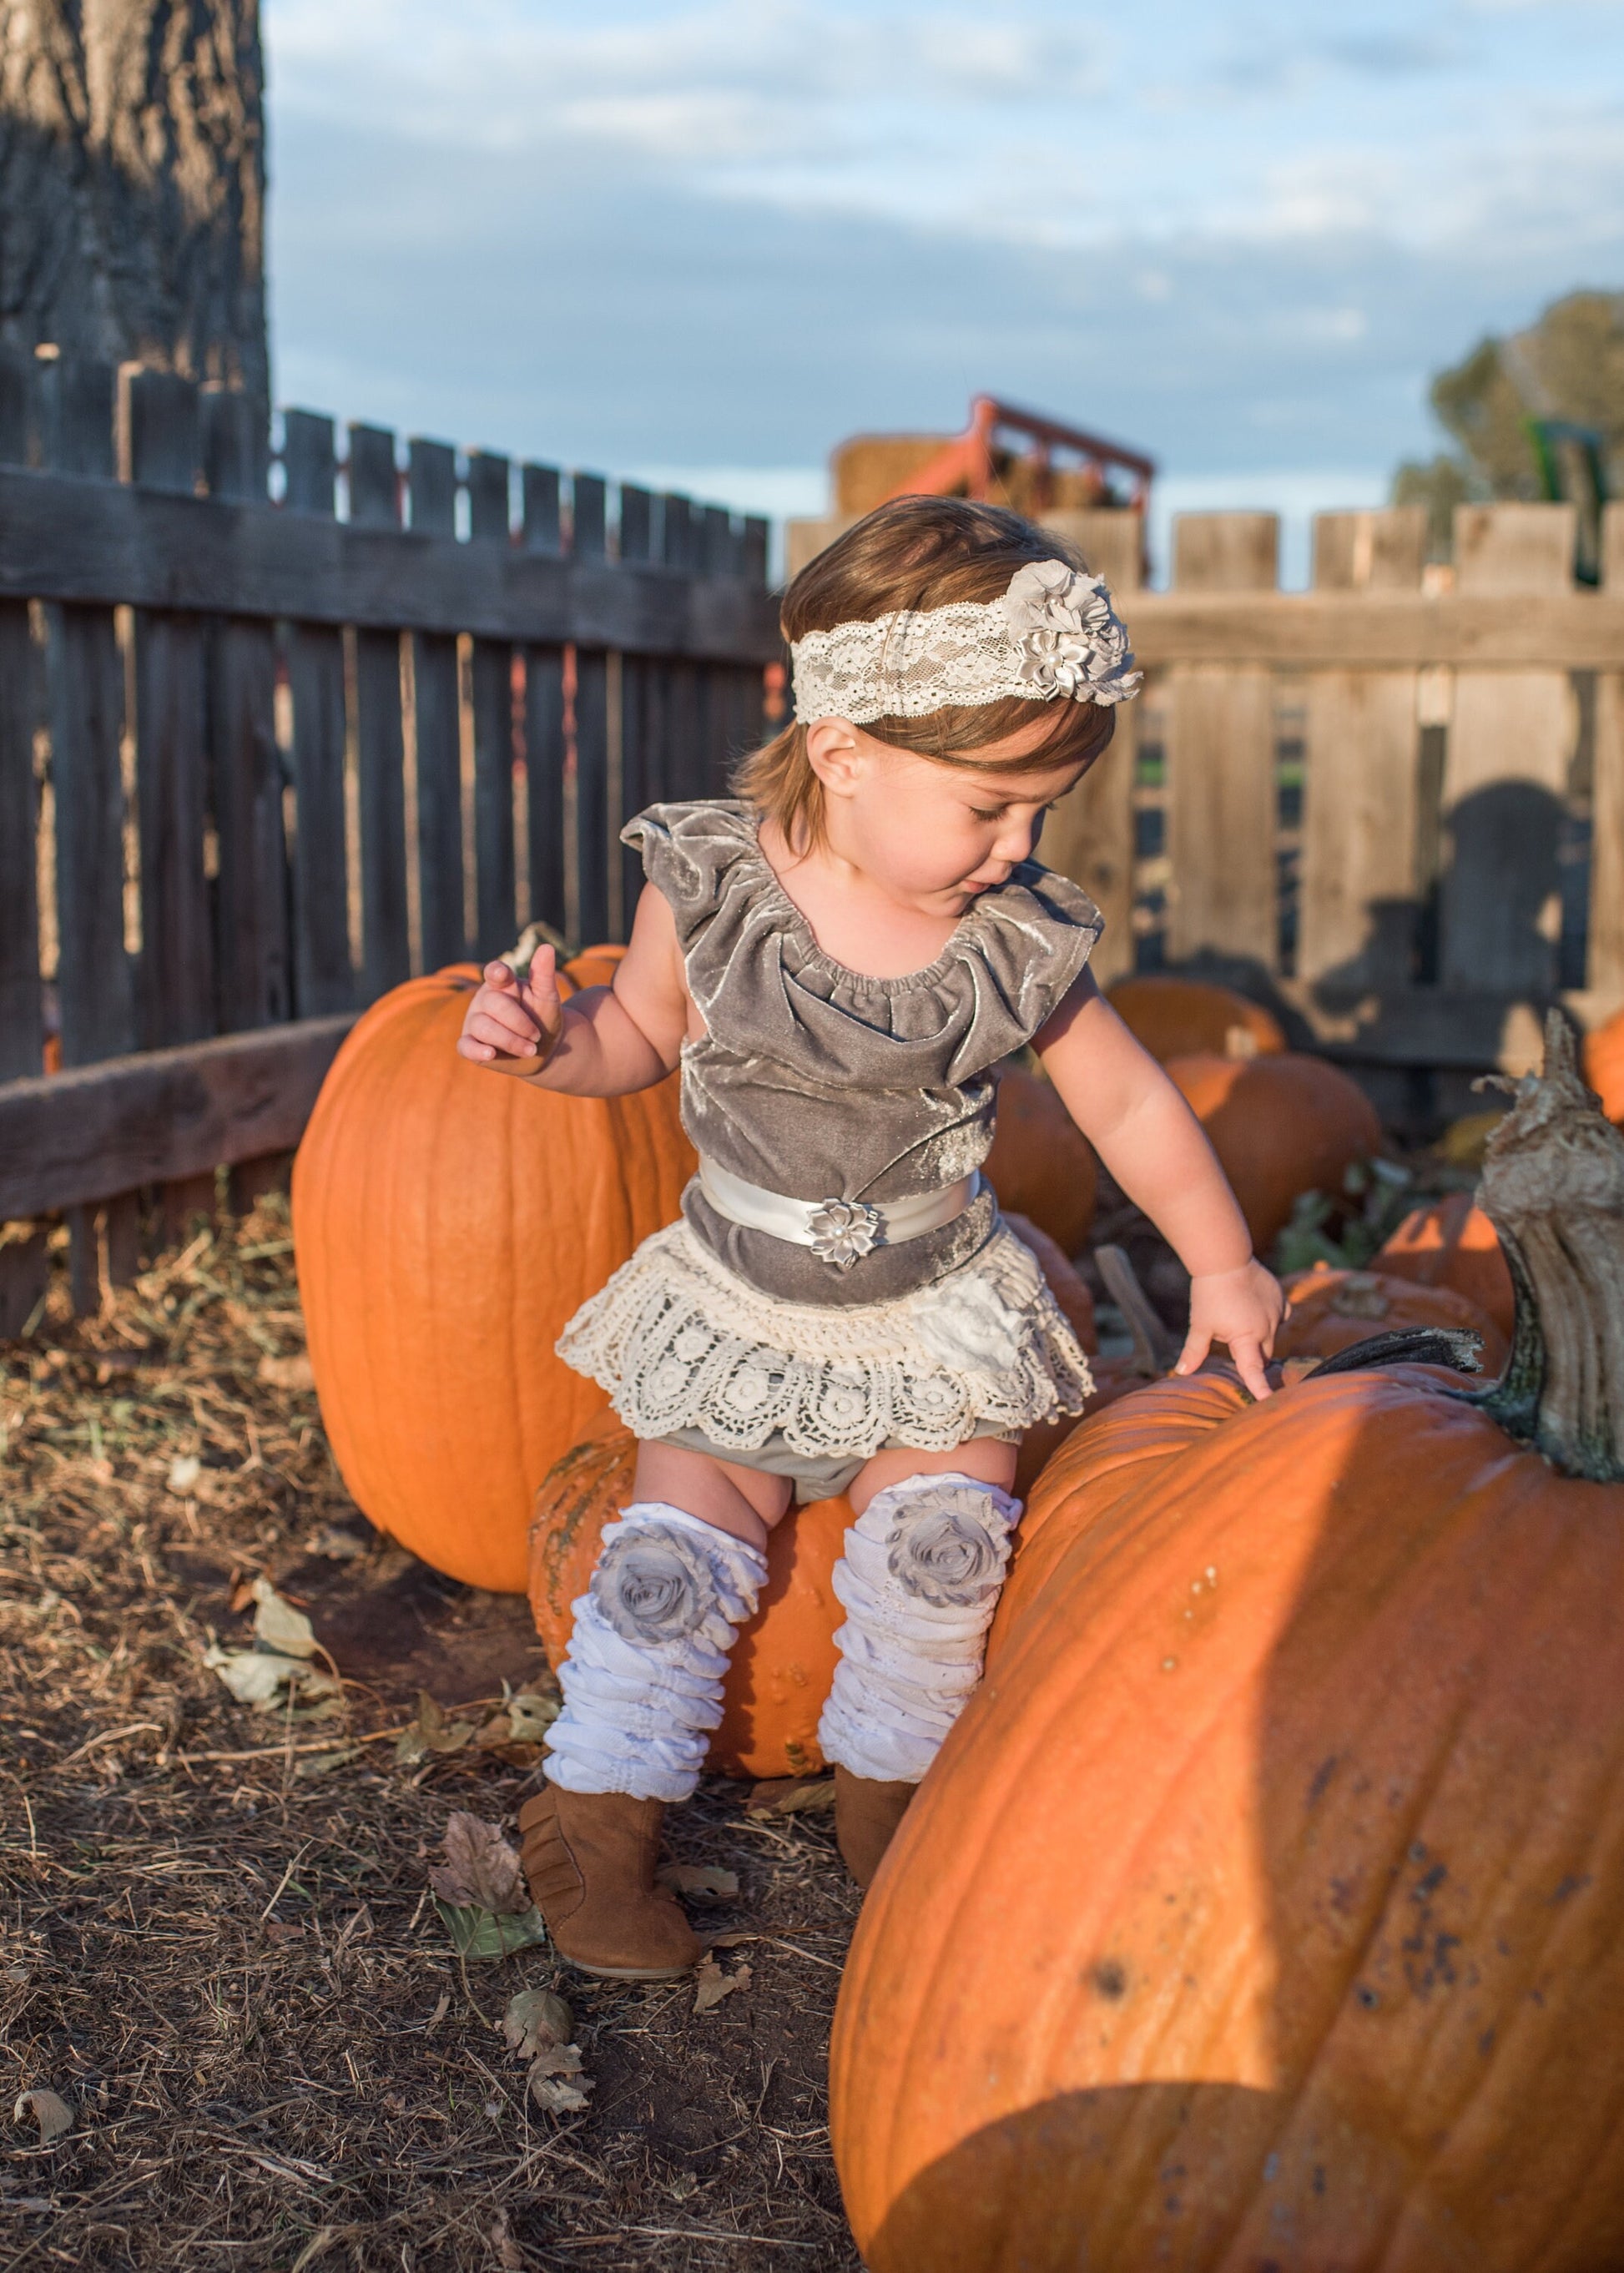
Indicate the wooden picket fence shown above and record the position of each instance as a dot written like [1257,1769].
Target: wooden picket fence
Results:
[278,729]
[1392,806]
[260,761]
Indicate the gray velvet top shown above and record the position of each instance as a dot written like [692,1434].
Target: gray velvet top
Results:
[819,1083]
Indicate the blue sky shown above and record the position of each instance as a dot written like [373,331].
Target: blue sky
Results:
[707,240]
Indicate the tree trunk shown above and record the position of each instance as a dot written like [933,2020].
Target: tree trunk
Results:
[132,183]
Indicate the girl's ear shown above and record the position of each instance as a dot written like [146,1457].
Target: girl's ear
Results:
[835,755]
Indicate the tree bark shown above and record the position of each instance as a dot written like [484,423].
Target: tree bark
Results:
[132,183]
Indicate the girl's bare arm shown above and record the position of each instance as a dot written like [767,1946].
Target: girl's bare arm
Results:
[1157,1151]
[605,1041]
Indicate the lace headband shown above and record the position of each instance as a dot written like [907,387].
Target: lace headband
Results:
[1054,633]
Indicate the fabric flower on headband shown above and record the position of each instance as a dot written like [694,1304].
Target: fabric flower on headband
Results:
[1070,640]
[1052,633]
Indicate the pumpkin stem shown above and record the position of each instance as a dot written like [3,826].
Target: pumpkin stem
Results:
[1154,1350]
[522,953]
[1553,1188]
[1457,1347]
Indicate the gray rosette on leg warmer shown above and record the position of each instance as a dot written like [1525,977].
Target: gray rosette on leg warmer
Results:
[642,1675]
[920,1580]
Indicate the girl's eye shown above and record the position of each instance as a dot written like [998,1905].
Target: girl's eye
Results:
[995,814]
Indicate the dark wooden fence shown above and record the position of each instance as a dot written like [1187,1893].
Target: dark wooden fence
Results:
[280,727]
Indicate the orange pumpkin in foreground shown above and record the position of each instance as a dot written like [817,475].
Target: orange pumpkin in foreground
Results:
[1262,1909]
[1281,1126]
[783,1659]
[1452,1243]
[1041,1164]
[1331,1310]
[447,1223]
[1188,1017]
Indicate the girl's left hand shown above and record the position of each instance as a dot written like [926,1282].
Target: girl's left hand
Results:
[1242,1308]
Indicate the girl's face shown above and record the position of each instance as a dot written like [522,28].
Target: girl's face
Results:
[934,836]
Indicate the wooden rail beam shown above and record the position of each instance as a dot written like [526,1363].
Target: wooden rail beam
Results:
[110,542]
[1567,631]
[70,1139]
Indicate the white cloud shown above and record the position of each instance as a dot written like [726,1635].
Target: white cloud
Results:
[726,231]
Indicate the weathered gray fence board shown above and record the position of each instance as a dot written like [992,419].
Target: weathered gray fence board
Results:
[161,445]
[385,939]
[491,693]
[106,541]
[1360,898]
[440,797]
[1511,742]
[323,980]
[437,728]
[1605,971]
[159,1116]
[252,902]
[544,763]
[592,837]
[1221,758]
[22,1032]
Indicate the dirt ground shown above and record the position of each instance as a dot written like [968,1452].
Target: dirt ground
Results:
[217,1948]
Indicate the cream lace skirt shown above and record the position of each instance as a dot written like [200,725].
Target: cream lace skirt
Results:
[679,1342]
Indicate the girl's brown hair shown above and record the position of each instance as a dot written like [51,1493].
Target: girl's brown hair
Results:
[916,553]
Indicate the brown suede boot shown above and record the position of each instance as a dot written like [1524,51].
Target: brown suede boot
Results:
[867,1814]
[590,1859]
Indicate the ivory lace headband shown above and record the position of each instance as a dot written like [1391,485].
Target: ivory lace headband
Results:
[1054,633]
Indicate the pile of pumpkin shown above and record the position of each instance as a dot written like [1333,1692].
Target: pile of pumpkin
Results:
[1264,1901]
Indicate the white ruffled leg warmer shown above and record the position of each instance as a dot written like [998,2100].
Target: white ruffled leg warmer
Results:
[642,1675]
[921,1578]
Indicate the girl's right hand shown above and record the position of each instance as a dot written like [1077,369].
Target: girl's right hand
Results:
[513,1022]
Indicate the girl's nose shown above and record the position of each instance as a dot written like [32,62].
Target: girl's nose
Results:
[1016,840]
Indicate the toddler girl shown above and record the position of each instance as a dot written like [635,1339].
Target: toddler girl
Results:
[838,961]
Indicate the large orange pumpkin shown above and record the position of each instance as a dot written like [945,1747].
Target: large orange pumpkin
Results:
[1604,1065]
[1281,1125]
[1187,1018]
[1332,1310]
[1451,1243]
[446,1224]
[1263,1907]
[1040,1164]
[783,1659]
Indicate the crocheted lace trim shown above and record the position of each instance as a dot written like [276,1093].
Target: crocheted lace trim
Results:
[1054,633]
[679,1342]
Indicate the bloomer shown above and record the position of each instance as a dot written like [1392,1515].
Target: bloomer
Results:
[681,1343]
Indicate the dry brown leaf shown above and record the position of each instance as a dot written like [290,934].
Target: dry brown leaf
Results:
[49,2109]
[535,2019]
[714,1984]
[287,1372]
[793,1795]
[481,1871]
[560,2095]
[557,2059]
[698,1878]
[438,1734]
[509,2256]
[278,1624]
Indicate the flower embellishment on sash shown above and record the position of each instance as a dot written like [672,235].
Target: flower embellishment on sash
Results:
[842,1232]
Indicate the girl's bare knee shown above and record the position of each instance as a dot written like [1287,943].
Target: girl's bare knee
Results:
[988,1459]
[745,1502]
